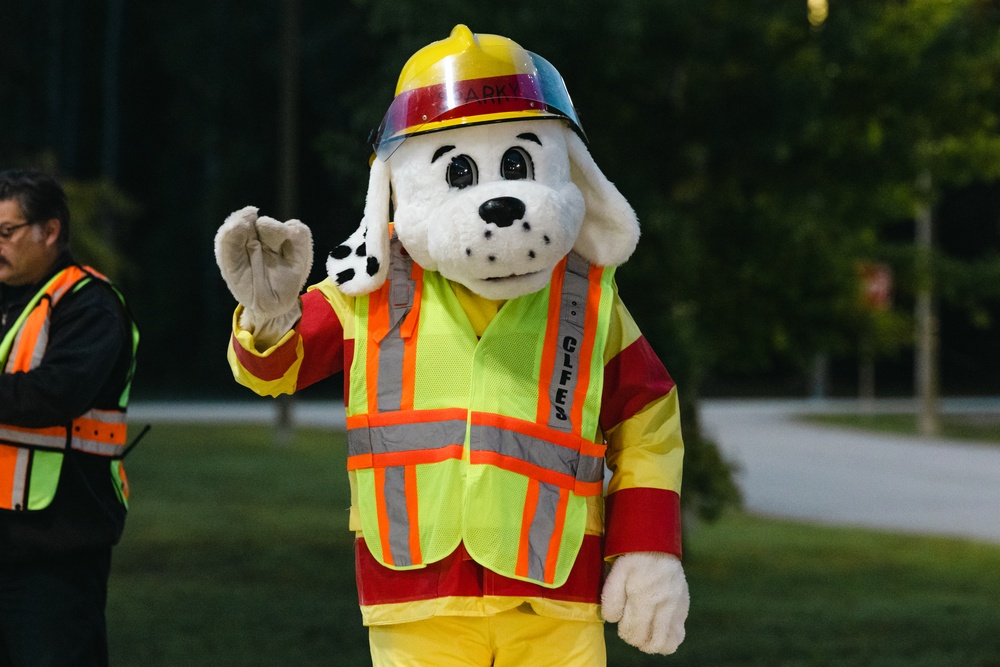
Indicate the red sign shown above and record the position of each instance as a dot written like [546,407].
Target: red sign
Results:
[876,285]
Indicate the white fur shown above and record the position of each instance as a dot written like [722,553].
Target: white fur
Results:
[372,237]
[646,594]
[569,204]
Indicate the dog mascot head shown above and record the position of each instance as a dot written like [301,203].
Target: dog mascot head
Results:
[481,167]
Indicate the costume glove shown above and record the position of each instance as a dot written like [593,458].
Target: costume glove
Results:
[646,594]
[265,264]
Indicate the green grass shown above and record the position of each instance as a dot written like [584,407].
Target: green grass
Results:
[237,554]
[984,428]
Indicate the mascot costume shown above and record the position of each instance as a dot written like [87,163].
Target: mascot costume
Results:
[492,375]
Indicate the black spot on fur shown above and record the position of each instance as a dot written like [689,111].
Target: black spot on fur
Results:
[547,240]
[531,254]
[468,252]
[340,252]
[526,227]
[362,250]
[372,266]
[492,258]
[488,234]
[344,276]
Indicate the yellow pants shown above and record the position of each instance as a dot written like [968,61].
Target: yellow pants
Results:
[515,638]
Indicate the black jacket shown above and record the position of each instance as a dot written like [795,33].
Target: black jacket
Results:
[86,365]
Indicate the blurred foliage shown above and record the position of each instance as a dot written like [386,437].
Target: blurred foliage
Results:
[765,154]
[96,208]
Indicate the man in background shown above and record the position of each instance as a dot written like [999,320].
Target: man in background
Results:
[67,355]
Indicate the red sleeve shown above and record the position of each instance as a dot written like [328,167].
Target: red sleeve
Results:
[273,366]
[322,340]
[633,379]
[642,519]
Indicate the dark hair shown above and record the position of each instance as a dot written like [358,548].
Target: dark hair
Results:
[40,197]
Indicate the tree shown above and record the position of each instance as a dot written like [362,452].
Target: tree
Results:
[766,155]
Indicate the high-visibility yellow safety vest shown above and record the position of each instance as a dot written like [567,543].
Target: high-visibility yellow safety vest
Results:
[31,458]
[490,442]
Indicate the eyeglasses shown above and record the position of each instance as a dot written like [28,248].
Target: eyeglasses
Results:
[8,231]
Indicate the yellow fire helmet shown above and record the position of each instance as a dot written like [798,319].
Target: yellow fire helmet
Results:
[469,79]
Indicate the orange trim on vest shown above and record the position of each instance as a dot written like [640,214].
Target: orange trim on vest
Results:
[524,543]
[389,459]
[399,418]
[548,361]
[410,489]
[21,356]
[556,540]
[378,327]
[8,469]
[99,430]
[586,348]
[46,431]
[408,331]
[521,467]
[126,490]
[383,516]
[540,431]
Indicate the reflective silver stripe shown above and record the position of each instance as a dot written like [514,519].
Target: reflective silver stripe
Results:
[40,344]
[20,478]
[116,417]
[572,316]
[400,438]
[543,523]
[32,438]
[538,452]
[13,348]
[359,441]
[95,447]
[78,441]
[590,469]
[58,294]
[402,289]
[399,519]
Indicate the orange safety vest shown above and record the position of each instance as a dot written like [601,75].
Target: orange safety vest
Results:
[31,458]
[491,443]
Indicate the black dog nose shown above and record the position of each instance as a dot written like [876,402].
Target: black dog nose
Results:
[502,211]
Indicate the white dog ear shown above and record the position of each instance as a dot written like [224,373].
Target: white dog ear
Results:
[361,263]
[610,228]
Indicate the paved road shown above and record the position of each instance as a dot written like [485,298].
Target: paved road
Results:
[838,476]
[786,468]
[255,411]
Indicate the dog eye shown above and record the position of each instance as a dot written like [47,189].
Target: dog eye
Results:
[462,172]
[516,165]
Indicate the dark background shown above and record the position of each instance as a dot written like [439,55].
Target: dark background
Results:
[766,156]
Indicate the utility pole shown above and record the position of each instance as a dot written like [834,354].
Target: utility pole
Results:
[288,177]
[925,315]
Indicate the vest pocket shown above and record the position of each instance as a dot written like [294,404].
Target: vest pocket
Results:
[45,469]
[525,528]
[411,514]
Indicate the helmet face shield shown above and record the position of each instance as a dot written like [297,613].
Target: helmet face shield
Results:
[462,90]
